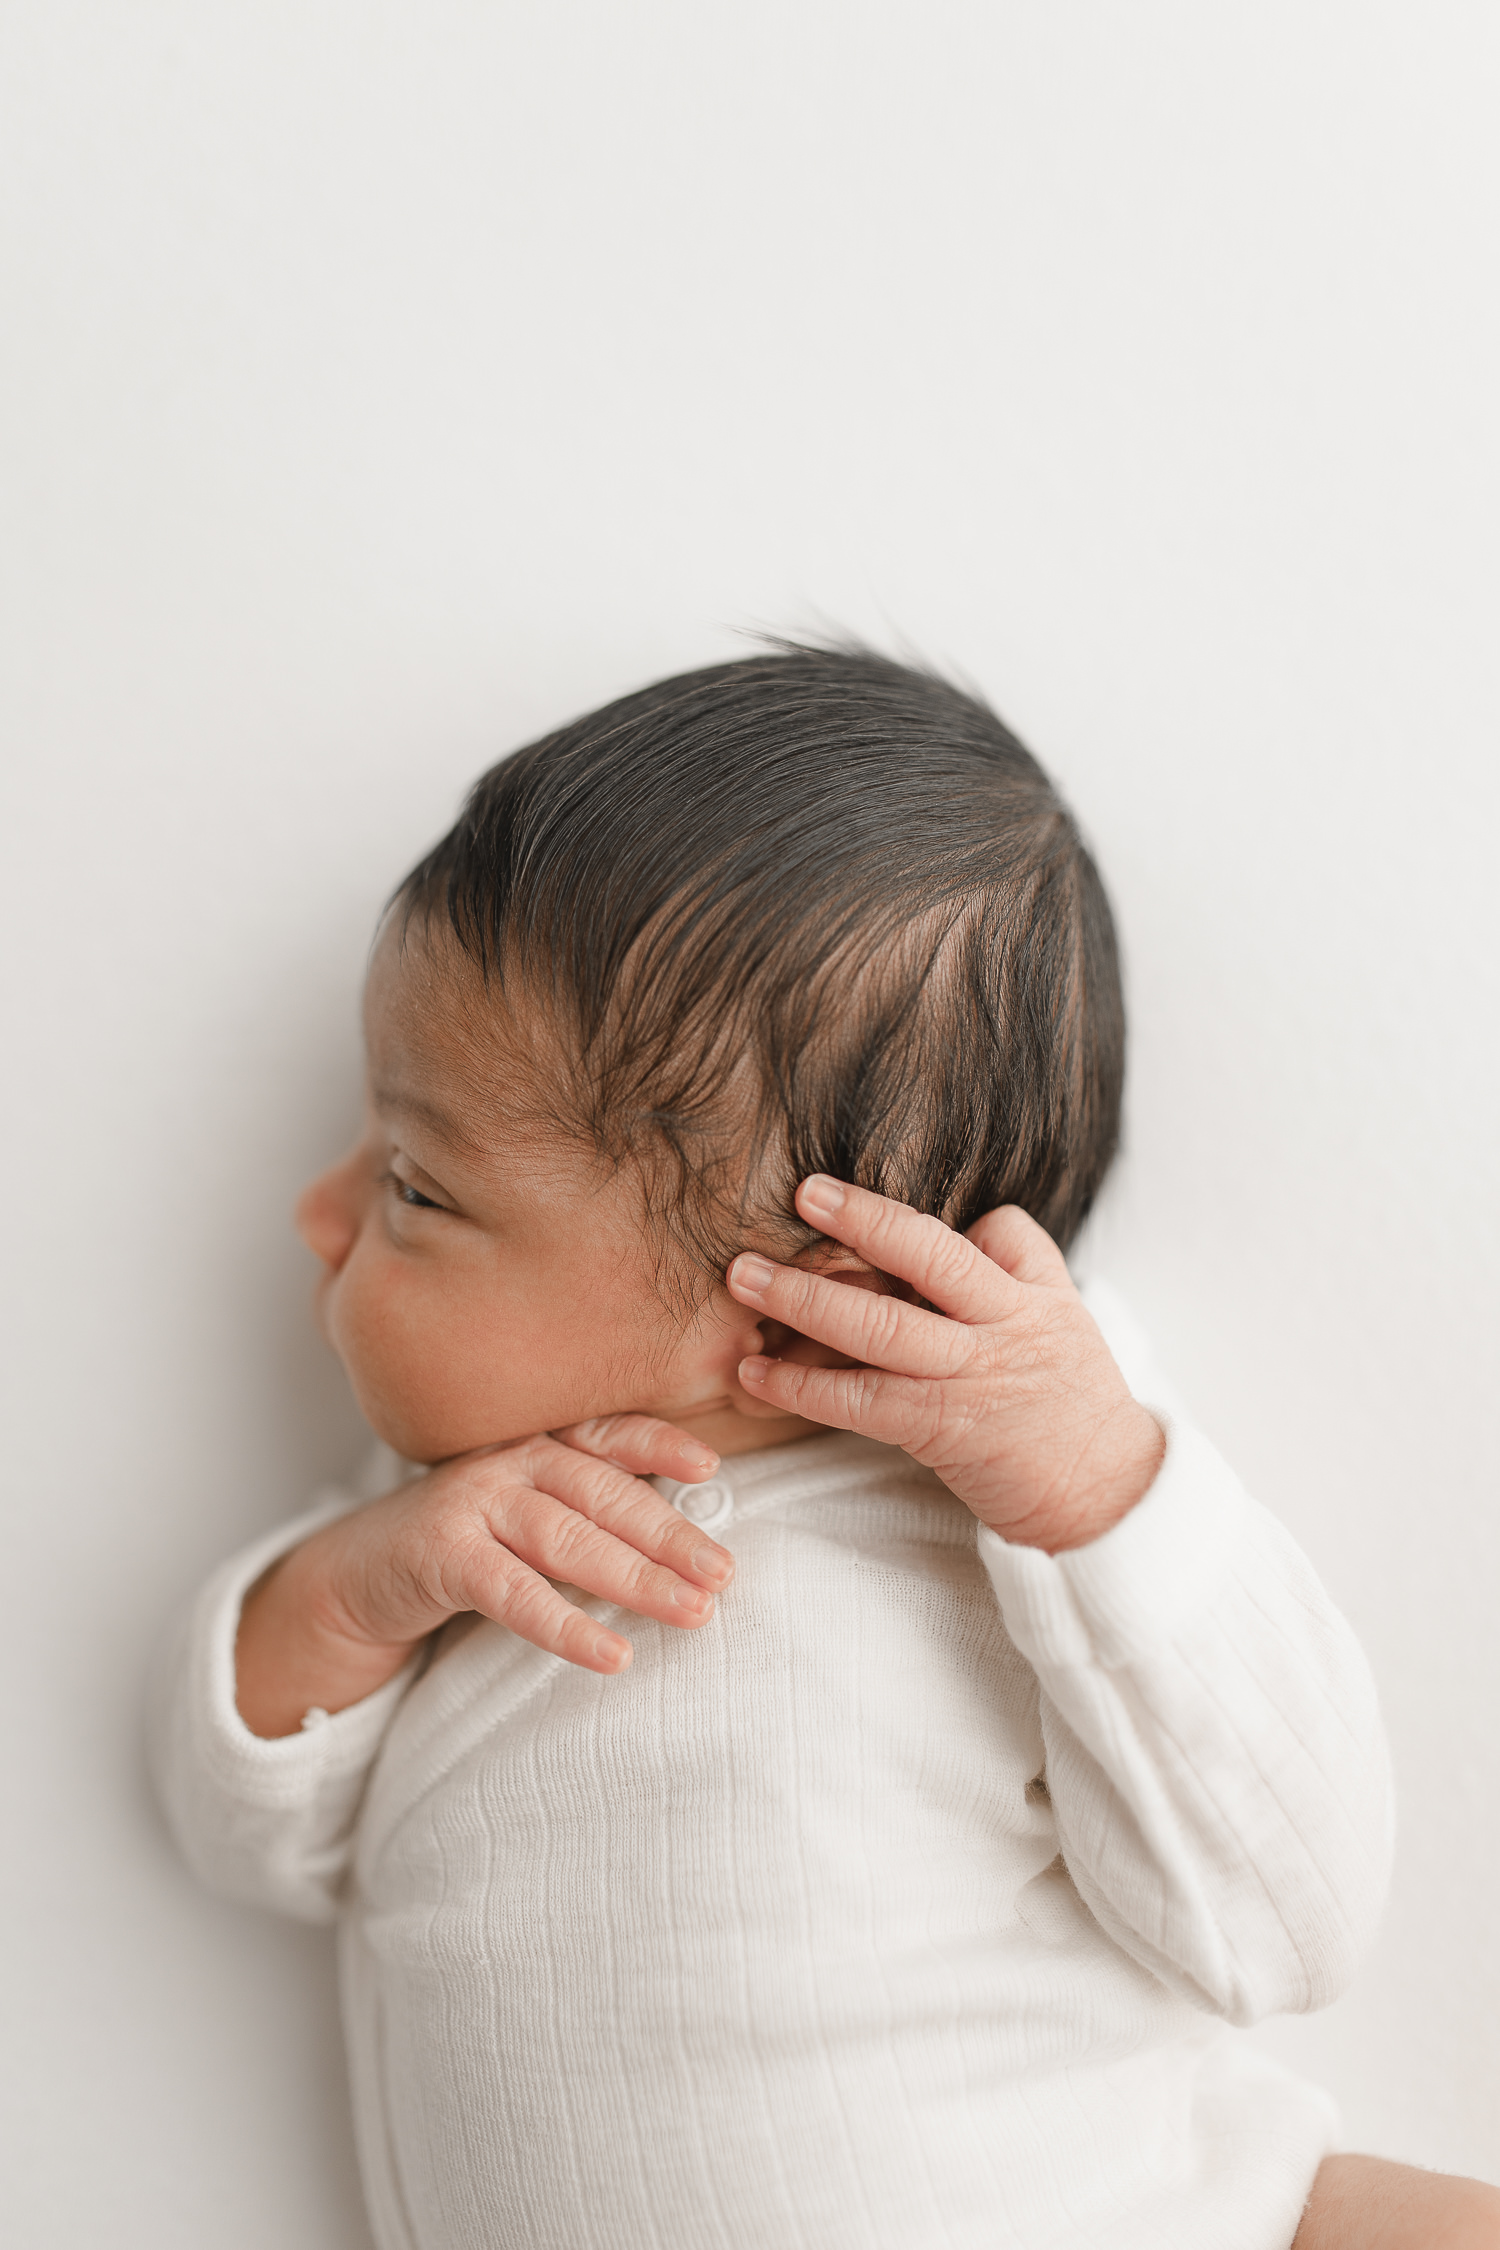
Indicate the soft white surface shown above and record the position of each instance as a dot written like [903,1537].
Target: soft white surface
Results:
[769,1940]
[385,382]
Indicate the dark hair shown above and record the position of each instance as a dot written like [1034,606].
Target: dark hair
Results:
[814,911]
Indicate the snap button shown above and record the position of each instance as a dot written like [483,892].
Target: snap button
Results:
[709,1506]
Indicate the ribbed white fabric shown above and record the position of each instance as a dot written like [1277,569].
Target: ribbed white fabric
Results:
[892,1911]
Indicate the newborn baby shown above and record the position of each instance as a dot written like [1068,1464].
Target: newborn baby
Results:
[740,1068]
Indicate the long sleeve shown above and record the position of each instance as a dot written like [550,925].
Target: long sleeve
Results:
[265,1822]
[1215,1757]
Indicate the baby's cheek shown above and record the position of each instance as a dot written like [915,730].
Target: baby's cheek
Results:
[374,1372]
[393,1364]
[436,1374]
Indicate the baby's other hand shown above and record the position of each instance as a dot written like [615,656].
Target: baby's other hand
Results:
[340,1614]
[488,1530]
[1007,1389]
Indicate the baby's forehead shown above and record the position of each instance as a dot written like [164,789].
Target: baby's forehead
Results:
[452,1048]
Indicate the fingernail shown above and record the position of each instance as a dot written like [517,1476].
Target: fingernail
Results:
[697,1456]
[712,1562]
[693,1599]
[754,1370]
[823,1195]
[752,1274]
[611,1650]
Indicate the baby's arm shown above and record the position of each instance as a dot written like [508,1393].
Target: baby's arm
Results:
[265,1822]
[261,1765]
[1214,1752]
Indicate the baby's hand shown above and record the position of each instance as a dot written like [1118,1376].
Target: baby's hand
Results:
[339,1615]
[1007,1390]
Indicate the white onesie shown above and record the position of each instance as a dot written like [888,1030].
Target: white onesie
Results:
[899,1908]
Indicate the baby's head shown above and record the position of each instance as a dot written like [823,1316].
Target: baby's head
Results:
[809,912]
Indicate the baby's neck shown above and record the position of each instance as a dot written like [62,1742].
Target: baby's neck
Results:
[730,1432]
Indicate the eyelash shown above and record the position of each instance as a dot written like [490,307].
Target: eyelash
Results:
[404,1191]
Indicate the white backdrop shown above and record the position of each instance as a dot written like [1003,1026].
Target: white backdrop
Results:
[385,382]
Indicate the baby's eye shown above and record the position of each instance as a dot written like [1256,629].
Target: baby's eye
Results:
[405,1193]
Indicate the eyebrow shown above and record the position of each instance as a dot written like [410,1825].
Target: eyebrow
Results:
[393,1098]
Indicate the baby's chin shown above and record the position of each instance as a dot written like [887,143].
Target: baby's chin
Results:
[426,1439]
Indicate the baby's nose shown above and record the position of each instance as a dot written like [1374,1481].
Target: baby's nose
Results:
[324,1220]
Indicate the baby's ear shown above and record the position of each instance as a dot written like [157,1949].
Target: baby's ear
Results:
[831,1261]
[834,1262]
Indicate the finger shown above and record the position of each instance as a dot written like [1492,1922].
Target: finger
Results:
[880,1330]
[895,1409]
[940,1265]
[644,1445]
[632,1512]
[1011,1238]
[560,1542]
[499,1585]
